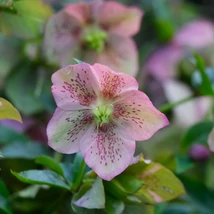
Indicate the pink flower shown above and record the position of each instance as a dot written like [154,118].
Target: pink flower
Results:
[101,114]
[96,31]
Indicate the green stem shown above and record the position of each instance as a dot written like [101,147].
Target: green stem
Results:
[79,178]
[169,106]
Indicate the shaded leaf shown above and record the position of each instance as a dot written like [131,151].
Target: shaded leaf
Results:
[196,134]
[114,206]
[206,85]
[50,163]
[5,3]
[211,140]
[183,163]
[29,192]
[46,177]
[94,198]
[7,111]
[24,150]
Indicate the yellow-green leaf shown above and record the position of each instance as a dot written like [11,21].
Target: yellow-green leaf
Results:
[7,111]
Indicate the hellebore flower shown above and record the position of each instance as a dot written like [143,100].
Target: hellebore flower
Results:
[95,31]
[101,114]
[163,67]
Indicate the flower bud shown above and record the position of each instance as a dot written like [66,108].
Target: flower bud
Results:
[199,152]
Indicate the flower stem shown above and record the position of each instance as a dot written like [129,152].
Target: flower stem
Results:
[79,177]
[169,106]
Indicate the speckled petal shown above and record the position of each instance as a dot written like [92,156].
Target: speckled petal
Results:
[106,152]
[66,129]
[73,87]
[136,116]
[111,83]
[61,37]
[120,19]
[120,54]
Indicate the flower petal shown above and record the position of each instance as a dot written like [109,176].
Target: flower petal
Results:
[196,34]
[66,128]
[120,54]
[73,87]
[61,37]
[136,116]
[120,19]
[111,83]
[106,152]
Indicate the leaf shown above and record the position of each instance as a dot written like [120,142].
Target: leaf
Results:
[4,206]
[3,189]
[7,111]
[114,206]
[211,140]
[25,20]
[46,177]
[196,134]
[24,98]
[159,183]
[29,192]
[27,150]
[8,135]
[50,163]
[77,61]
[139,209]
[183,163]
[206,85]
[5,3]
[94,198]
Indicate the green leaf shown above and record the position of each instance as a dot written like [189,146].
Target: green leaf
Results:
[211,140]
[139,209]
[3,189]
[4,206]
[29,192]
[206,85]
[8,135]
[50,163]
[46,177]
[27,150]
[77,61]
[183,163]
[159,183]
[94,197]
[114,206]
[196,134]
[7,111]
[25,20]
[24,98]
[5,3]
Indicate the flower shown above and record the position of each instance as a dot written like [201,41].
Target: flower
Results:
[163,66]
[101,114]
[95,31]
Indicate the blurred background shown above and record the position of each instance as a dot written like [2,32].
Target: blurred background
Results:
[171,33]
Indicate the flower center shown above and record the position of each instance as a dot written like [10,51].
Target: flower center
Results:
[102,114]
[94,38]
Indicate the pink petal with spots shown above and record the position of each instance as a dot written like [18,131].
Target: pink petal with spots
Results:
[120,54]
[196,34]
[73,87]
[111,83]
[106,152]
[62,34]
[120,19]
[66,129]
[136,116]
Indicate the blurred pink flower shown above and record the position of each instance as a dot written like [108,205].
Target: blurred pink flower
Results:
[163,65]
[95,31]
[101,114]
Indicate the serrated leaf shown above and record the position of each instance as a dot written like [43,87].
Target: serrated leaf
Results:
[50,163]
[8,111]
[94,198]
[27,150]
[196,134]
[44,177]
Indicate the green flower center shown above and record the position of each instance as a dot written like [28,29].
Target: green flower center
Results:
[94,38]
[102,114]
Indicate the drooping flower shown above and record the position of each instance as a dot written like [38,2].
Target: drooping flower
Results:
[95,31]
[101,114]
